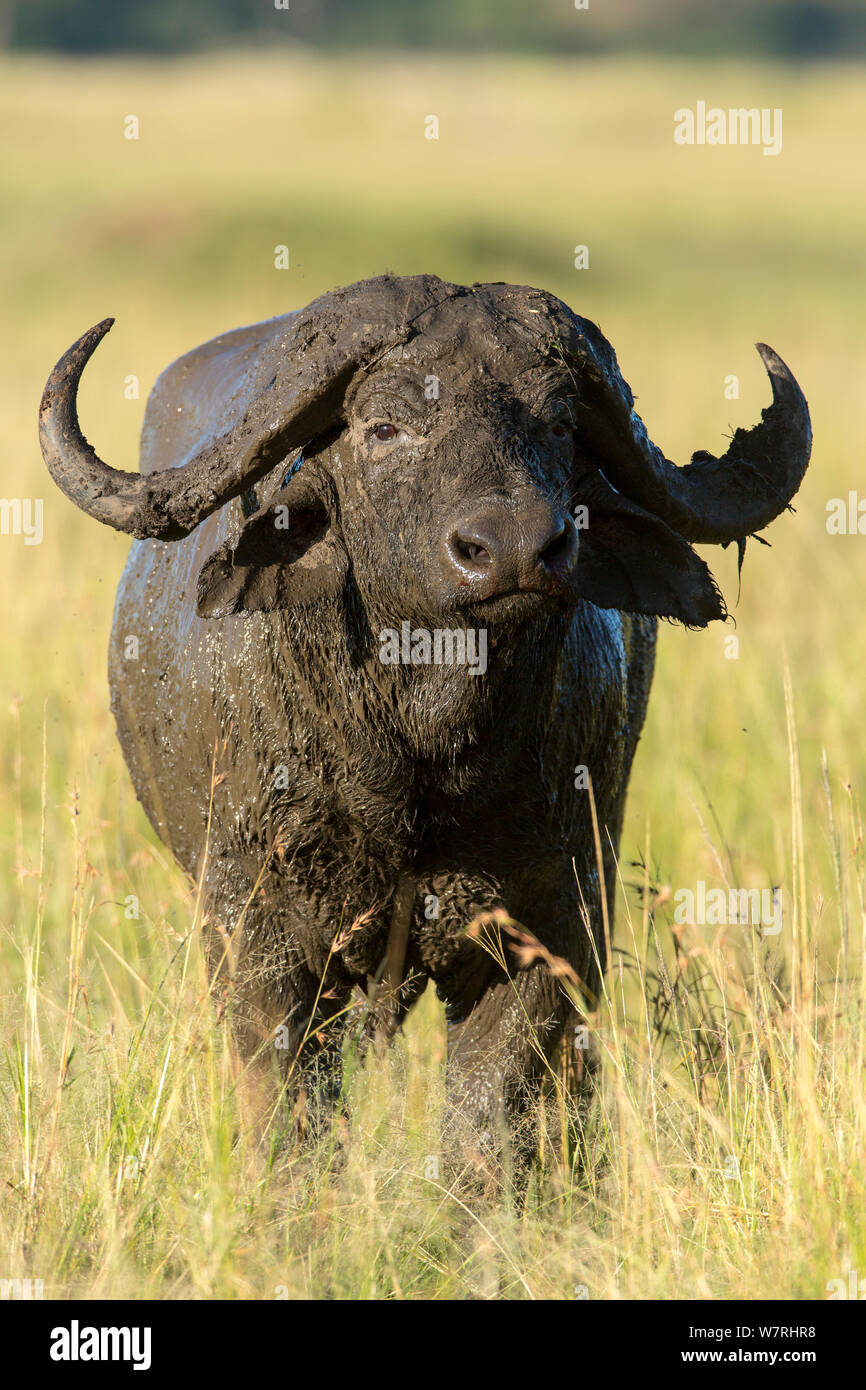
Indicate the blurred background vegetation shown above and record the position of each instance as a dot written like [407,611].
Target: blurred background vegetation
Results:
[787,28]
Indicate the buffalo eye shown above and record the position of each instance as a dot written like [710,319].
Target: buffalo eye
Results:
[385,432]
[561,428]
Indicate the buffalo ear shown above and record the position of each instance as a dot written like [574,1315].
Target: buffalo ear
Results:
[630,560]
[286,555]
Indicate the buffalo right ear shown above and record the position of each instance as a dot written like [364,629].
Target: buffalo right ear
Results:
[286,556]
[632,560]
[637,564]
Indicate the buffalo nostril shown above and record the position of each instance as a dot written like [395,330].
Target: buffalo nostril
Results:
[558,546]
[473,552]
[469,551]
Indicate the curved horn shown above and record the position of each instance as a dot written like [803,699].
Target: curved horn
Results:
[307,369]
[166,504]
[711,499]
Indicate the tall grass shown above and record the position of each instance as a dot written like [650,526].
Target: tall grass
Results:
[724,1153]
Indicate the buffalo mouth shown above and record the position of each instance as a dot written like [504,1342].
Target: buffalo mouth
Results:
[516,607]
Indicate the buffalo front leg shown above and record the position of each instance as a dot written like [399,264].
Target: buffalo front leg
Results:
[498,1056]
[287,1018]
[288,1034]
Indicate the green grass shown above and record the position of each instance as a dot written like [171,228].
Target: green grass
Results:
[125,1174]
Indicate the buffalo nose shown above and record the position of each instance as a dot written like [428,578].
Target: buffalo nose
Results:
[499,551]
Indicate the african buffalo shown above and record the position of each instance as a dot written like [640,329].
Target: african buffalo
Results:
[405,456]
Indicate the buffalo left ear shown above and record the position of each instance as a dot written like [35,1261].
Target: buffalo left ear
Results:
[630,560]
[286,555]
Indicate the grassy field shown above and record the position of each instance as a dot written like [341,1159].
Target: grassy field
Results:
[725,1156]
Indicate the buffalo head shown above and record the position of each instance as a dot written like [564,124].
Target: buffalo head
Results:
[470,453]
